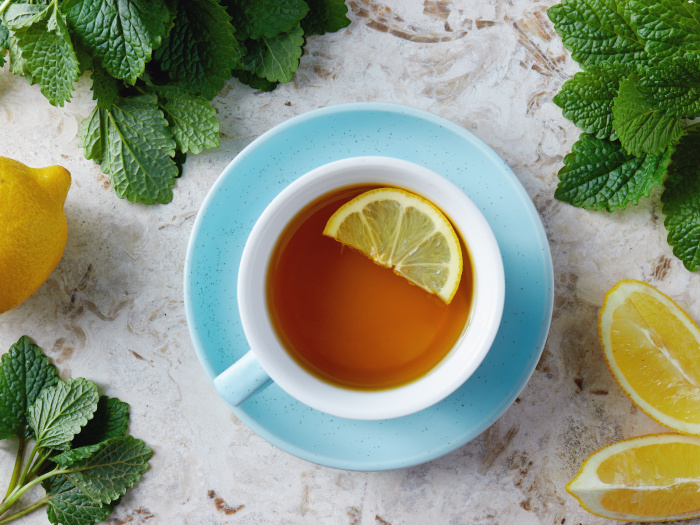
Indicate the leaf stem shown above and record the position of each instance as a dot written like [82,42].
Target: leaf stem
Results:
[34,470]
[25,510]
[18,466]
[24,488]
[4,6]
[28,464]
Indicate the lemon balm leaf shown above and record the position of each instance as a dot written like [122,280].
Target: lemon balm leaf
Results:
[276,59]
[669,27]
[17,62]
[254,81]
[121,34]
[599,174]
[24,373]
[201,50]
[595,32]
[90,135]
[111,419]
[192,119]
[105,88]
[674,86]
[268,18]
[640,125]
[4,36]
[140,146]
[325,16]
[19,16]
[681,201]
[587,98]
[49,57]
[61,410]
[68,505]
[111,469]
[4,42]
[133,143]
[74,454]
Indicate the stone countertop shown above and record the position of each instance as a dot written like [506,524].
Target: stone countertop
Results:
[112,311]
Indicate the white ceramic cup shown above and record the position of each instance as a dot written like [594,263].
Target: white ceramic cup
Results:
[268,360]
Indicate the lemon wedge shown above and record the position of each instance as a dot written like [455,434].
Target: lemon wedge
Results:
[647,478]
[652,348]
[403,231]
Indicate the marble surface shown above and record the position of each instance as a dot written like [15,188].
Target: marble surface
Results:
[113,310]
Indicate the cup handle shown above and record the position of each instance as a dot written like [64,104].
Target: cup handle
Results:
[242,380]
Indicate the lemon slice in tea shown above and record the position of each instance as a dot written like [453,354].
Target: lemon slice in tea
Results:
[403,231]
[652,348]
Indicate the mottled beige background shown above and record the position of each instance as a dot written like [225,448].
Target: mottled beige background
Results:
[113,309]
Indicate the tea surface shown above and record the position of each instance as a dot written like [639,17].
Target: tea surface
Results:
[350,321]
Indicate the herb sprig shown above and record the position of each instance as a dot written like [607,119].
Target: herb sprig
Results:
[635,100]
[81,453]
[156,65]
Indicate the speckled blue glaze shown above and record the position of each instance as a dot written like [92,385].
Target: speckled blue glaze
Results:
[305,142]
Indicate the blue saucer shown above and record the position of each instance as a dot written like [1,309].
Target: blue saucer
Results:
[310,140]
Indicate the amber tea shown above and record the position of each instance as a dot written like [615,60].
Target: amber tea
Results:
[350,321]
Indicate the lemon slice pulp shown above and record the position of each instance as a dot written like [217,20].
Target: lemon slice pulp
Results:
[403,231]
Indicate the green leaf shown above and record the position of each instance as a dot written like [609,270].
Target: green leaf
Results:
[105,88]
[674,87]
[69,506]
[268,18]
[120,33]
[4,42]
[201,50]
[61,411]
[587,98]
[641,127]
[254,81]
[275,59]
[18,65]
[192,119]
[669,27]
[133,144]
[93,134]
[595,32]
[49,57]
[72,455]
[111,420]
[4,37]
[24,373]
[20,16]
[107,474]
[599,174]
[681,201]
[85,61]
[325,16]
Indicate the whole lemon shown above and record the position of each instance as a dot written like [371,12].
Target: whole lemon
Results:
[33,228]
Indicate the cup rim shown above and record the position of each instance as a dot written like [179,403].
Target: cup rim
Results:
[453,370]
